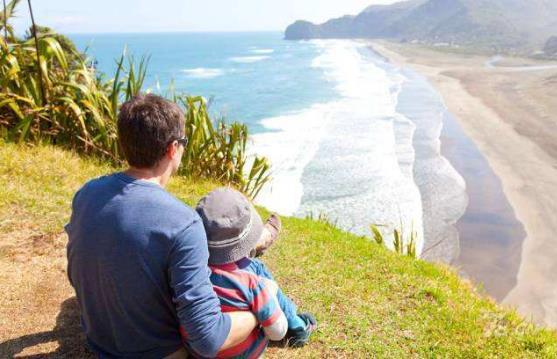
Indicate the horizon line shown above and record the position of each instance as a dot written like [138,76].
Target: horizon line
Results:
[167,32]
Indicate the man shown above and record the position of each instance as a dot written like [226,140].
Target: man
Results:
[137,256]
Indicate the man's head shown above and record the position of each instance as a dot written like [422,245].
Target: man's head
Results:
[149,130]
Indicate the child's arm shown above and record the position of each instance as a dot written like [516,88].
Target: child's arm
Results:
[267,310]
[278,329]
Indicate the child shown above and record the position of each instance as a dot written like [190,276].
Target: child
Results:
[235,233]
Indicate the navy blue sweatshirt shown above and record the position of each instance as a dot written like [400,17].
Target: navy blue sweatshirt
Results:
[137,258]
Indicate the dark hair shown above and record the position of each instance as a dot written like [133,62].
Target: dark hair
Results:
[147,124]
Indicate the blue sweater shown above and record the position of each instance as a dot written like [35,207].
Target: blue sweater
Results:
[137,258]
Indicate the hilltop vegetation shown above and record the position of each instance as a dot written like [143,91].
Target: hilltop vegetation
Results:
[52,93]
[370,302]
[493,25]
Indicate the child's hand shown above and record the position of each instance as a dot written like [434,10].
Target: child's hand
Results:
[271,286]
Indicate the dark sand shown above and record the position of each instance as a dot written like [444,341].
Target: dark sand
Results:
[490,235]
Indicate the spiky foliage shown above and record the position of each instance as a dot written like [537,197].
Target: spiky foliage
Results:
[401,244]
[78,113]
[8,11]
[218,150]
[78,109]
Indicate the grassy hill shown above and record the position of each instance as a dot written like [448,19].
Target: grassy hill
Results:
[369,301]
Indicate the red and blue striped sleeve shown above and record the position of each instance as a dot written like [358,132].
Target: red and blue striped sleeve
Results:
[263,305]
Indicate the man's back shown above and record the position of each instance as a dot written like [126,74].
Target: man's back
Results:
[132,247]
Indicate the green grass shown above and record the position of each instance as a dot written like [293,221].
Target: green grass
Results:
[369,301]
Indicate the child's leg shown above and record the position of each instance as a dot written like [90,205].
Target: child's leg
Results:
[269,235]
[290,311]
[287,306]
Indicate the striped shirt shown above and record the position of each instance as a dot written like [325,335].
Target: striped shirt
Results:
[239,288]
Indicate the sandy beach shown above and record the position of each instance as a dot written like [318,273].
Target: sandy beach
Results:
[509,110]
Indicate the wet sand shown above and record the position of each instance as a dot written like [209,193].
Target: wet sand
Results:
[490,235]
[511,116]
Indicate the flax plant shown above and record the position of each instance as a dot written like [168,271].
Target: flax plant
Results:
[82,109]
[5,18]
[7,13]
[220,149]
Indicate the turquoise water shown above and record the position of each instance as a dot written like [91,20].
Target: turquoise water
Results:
[349,135]
[248,76]
[323,112]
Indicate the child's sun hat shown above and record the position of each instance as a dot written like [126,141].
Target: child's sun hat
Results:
[232,224]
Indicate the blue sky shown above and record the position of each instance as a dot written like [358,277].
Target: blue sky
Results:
[72,16]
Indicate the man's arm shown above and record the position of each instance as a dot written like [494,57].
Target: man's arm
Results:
[242,324]
[203,324]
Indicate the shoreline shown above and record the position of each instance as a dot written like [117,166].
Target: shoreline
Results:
[527,171]
[330,180]
[442,187]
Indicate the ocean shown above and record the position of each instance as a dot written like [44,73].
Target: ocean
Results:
[350,136]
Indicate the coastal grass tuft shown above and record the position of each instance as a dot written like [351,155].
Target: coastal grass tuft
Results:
[401,244]
[369,301]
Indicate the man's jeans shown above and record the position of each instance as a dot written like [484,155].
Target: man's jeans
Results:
[287,306]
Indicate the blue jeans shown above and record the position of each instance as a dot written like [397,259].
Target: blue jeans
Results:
[287,306]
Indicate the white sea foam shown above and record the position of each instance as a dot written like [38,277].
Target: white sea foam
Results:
[248,59]
[203,73]
[290,144]
[443,190]
[262,51]
[350,159]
